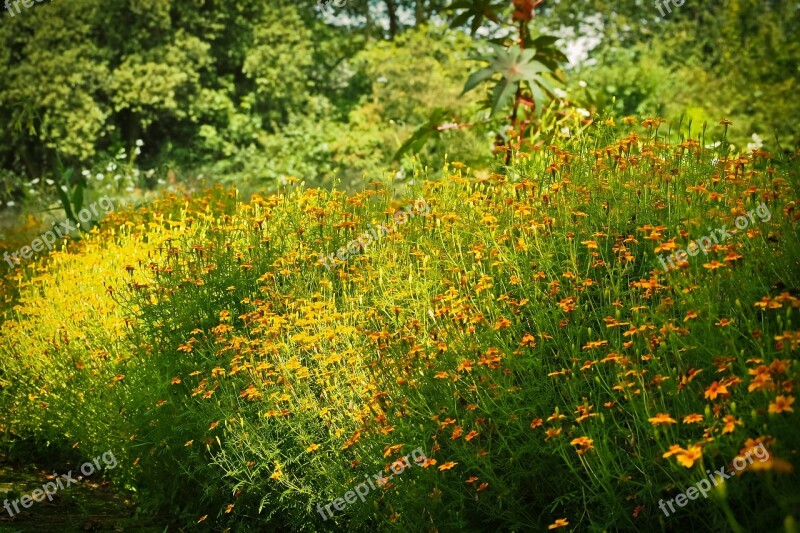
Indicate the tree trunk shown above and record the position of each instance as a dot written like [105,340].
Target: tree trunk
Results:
[419,12]
[391,9]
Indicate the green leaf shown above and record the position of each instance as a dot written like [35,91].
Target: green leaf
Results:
[422,134]
[476,78]
[77,197]
[477,10]
[543,41]
[503,91]
[62,195]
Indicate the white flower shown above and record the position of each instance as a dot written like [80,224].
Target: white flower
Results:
[99,177]
[49,182]
[85,173]
[565,132]
[111,167]
[33,182]
[129,189]
[382,79]
[10,204]
[161,182]
[560,93]
[714,145]
[583,112]
[137,151]
[139,142]
[582,83]
[756,144]
[117,177]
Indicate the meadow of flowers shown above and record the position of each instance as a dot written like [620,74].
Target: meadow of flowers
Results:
[521,333]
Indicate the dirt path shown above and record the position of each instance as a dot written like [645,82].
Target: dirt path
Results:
[87,505]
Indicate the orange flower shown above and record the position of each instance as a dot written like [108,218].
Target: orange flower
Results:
[773,463]
[560,522]
[715,389]
[551,433]
[584,443]
[662,418]
[389,450]
[782,404]
[312,448]
[674,449]
[688,457]
[730,424]
[692,419]
[448,465]
[502,323]
[713,265]
[428,462]
[536,423]
[528,340]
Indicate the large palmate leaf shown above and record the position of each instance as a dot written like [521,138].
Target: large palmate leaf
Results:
[515,66]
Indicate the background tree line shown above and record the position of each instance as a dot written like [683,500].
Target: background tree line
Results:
[254,92]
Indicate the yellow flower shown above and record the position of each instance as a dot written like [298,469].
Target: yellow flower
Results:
[277,474]
[312,448]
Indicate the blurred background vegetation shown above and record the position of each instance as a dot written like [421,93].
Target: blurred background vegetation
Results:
[133,96]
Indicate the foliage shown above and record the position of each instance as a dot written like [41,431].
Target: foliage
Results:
[708,62]
[521,66]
